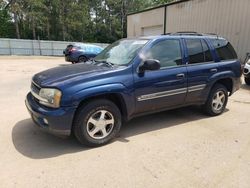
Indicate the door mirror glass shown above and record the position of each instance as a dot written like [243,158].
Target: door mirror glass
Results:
[150,64]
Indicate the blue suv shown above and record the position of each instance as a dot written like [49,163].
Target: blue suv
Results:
[134,77]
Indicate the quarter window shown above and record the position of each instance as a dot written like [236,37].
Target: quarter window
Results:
[168,52]
[224,49]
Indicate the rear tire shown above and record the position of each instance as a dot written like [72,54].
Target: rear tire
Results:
[247,80]
[217,100]
[82,59]
[97,123]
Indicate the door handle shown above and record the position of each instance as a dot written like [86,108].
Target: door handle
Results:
[213,70]
[180,75]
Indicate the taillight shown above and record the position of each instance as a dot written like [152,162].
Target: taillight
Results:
[72,49]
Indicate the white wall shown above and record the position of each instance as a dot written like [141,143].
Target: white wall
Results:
[227,18]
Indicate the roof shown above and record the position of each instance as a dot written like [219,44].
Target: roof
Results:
[160,6]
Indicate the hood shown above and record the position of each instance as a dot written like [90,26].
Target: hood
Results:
[54,76]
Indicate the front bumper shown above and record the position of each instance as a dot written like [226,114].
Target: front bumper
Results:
[246,70]
[56,121]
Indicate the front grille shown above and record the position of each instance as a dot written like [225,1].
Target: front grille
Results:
[35,88]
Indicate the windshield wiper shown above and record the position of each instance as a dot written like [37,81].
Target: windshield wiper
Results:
[105,62]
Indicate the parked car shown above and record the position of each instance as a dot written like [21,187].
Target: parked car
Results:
[246,70]
[134,77]
[78,52]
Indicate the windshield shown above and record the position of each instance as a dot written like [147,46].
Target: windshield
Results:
[121,52]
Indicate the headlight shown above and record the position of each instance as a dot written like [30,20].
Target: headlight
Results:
[50,97]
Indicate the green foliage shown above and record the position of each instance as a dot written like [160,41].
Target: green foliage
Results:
[6,26]
[70,20]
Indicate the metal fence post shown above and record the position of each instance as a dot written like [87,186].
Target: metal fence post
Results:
[39,45]
[9,47]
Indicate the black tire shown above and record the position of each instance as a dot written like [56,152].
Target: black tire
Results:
[82,59]
[247,80]
[87,111]
[209,106]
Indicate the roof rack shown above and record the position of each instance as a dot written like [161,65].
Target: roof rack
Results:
[187,33]
[191,33]
[213,34]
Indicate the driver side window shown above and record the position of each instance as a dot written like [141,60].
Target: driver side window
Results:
[168,52]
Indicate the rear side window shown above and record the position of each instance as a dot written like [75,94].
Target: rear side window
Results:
[207,54]
[198,51]
[224,49]
[168,52]
[195,51]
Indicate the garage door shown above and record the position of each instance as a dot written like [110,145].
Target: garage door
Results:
[154,30]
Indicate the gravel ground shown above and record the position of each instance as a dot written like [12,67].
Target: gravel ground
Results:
[178,148]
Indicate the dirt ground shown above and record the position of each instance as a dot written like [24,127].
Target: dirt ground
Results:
[178,148]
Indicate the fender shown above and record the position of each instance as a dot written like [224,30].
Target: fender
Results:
[114,88]
[221,75]
[214,78]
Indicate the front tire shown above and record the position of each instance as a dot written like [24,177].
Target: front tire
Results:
[97,123]
[217,100]
[247,80]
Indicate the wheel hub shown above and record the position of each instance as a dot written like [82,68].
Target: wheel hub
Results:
[218,100]
[100,124]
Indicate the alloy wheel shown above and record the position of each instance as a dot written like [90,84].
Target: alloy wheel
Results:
[100,124]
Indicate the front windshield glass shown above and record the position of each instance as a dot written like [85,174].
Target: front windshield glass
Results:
[121,52]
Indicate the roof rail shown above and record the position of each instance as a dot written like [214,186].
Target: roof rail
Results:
[187,33]
[210,34]
[213,34]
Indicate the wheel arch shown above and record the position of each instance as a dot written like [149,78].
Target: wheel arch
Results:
[116,98]
[227,82]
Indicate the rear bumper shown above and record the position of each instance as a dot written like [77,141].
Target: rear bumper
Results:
[56,121]
[236,85]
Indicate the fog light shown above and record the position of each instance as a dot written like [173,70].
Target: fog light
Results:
[45,121]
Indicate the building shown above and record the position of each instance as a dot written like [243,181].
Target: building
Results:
[227,18]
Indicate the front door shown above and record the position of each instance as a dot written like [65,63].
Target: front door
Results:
[164,88]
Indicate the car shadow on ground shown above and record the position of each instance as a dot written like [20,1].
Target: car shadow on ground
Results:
[36,144]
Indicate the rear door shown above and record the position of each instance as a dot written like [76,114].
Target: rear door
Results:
[200,67]
[166,87]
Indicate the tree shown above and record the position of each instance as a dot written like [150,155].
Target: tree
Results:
[6,26]
[74,20]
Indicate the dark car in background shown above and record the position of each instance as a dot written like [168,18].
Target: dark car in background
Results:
[78,52]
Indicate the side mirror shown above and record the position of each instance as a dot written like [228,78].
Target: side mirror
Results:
[150,64]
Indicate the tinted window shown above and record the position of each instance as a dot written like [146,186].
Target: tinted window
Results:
[208,57]
[224,49]
[168,52]
[195,51]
